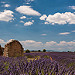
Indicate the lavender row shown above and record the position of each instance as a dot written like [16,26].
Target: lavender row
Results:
[42,64]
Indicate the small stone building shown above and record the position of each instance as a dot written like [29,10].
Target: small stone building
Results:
[1,50]
[13,49]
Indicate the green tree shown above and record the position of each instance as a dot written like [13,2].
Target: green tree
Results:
[69,51]
[27,51]
[44,50]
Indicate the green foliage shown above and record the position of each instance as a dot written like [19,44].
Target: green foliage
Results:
[42,71]
[18,55]
[44,50]
[71,64]
[27,51]
[29,56]
[6,65]
[46,56]
[24,51]
[36,71]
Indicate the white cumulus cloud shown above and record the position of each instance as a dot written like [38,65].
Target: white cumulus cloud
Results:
[73,31]
[27,10]
[23,17]
[3,2]
[21,21]
[28,1]
[50,45]
[60,18]
[32,45]
[1,41]
[46,23]
[65,33]
[28,23]
[61,46]
[43,17]
[10,40]
[43,34]
[6,15]
[72,7]
[6,5]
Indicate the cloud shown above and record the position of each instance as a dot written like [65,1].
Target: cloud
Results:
[1,41]
[72,7]
[46,23]
[73,31]
[10,40]
[65,33]
[21,21]
[31,0]
[43,34]
[28,1]
[6,15]
[6,5]
[61,46]
[28,23]
[60,18]
[43,17]
[27,10]
[32,45]
[51,45]
[3,2]
[32,20]
[23,17]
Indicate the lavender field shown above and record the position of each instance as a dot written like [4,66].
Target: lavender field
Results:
[39,63]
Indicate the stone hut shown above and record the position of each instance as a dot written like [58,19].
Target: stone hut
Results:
[1,50]
[13,49]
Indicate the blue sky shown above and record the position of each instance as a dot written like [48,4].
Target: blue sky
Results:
[38,24]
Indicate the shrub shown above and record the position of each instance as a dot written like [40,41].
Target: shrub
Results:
[44,50]
[46,56]
[27,51]
[29,56]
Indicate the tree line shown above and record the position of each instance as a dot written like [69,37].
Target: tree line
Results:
[28,51]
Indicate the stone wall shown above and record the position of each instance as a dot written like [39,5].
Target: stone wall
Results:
[13,49]
[1,50]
